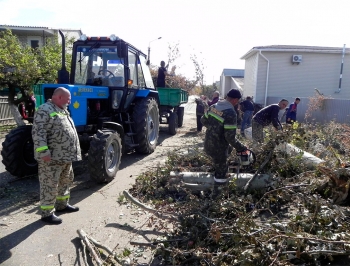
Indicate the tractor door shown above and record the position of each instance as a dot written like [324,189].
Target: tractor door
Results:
[139,72]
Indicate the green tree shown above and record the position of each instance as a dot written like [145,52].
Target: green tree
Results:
[21,67]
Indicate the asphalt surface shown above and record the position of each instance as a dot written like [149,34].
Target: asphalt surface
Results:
[2,167]
[25,240]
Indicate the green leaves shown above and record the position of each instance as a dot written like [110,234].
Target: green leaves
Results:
[28,65]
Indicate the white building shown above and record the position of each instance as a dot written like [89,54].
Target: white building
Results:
[38,36]
[231,79]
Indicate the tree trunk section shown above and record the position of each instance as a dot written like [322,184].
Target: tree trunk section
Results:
[16,115]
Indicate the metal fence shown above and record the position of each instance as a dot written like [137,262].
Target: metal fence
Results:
[337,110]
[6,117]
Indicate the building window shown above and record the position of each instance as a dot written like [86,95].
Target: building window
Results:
[34,44]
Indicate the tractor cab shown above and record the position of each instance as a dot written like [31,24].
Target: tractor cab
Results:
[113,63]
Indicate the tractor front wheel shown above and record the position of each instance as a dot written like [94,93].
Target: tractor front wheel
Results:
[104,156]
[18,152]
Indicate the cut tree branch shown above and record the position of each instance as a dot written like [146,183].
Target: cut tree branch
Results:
[162,215]
[84,237]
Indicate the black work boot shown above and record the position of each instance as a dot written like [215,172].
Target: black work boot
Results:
[69,208]
[52,219]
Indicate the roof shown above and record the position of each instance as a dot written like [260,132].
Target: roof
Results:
[240,81]
[237,73]
[34,30]
[294,48]
[29,30]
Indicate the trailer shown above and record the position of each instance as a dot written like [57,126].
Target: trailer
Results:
[171,109]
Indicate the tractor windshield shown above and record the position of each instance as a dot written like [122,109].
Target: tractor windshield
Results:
[99,66]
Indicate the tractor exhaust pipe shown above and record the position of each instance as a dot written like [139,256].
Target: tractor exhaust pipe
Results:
[63,74]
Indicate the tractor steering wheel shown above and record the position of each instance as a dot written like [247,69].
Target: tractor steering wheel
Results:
[107,71]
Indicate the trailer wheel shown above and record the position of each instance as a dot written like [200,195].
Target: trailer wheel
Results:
[180,115]
[173,123]
[146,125]
[104,156]
[18,152]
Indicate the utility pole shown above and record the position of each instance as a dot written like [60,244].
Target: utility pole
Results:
[341,70]
[149,51]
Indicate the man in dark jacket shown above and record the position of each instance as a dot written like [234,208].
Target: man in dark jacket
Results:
[162,73]
[202,106]
[266,116]
[221,123]
[247,107]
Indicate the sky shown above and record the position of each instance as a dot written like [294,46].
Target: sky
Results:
[218,32]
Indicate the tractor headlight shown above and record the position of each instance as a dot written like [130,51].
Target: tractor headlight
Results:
[83,37]
[113,38]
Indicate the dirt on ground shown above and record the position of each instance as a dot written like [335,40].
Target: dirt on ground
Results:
[25,240]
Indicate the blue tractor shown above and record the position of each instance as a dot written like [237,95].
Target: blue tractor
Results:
[114,106]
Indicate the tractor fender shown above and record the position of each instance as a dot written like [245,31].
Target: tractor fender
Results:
[148,93]
[116,127]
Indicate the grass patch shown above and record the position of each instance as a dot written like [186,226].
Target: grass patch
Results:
[4,129]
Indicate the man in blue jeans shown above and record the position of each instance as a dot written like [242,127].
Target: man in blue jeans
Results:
[247,107]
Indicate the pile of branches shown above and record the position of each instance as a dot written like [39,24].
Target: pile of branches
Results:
[301,219]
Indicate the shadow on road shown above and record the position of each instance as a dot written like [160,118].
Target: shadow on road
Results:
[140,232]
[78,248]
[12,240]
[16,194]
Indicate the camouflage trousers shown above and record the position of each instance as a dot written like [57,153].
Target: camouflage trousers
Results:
[257,132]
[55,179]
[220,163]
[221,168]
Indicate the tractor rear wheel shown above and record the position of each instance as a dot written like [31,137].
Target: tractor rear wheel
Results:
[104,156]
[173,123]
[146,125]
[18,152]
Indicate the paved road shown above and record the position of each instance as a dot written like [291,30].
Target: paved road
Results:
[25,240]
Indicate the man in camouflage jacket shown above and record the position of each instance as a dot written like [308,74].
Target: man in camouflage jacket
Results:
[221,123]
[56,145]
